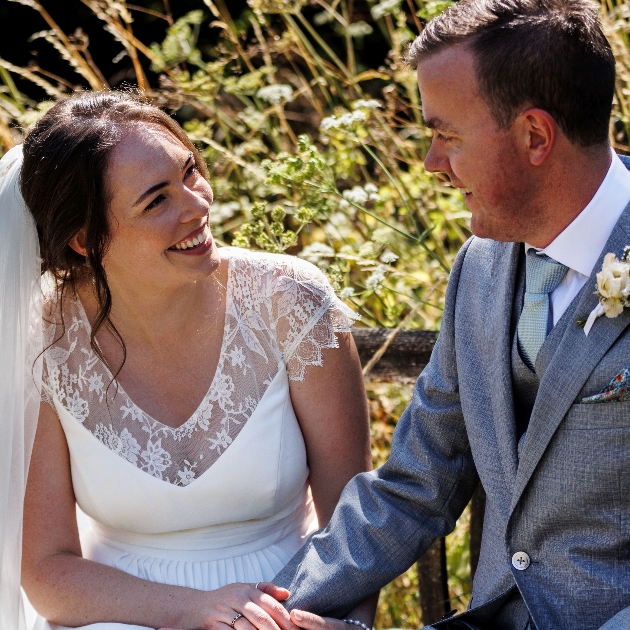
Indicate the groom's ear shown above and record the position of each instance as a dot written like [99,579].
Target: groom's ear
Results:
[537,130]
[77,243]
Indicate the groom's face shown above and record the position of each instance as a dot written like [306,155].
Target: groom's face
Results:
[476,155]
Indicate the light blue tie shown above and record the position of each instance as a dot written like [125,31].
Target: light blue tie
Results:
[542,276]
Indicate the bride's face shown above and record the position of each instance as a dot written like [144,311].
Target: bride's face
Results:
[158,212]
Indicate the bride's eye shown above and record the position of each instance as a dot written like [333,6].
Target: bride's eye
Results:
[192,169]
[156,202]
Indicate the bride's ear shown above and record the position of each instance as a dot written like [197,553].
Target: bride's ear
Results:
[77,242]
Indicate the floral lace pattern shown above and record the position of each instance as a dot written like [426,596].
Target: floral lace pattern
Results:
[280,311]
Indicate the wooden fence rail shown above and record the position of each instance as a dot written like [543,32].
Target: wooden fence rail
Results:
[406,354]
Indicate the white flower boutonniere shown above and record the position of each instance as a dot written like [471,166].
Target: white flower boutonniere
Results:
[613,288]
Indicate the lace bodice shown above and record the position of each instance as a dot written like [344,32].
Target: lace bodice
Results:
[280,311]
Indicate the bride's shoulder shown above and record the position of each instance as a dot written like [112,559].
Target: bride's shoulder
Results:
[276,266]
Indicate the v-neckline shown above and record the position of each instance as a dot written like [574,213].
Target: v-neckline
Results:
[192,420]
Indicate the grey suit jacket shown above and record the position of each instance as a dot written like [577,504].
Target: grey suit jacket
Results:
[565,500]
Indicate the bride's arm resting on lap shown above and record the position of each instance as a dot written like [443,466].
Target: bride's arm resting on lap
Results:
[69,590]
[65,588]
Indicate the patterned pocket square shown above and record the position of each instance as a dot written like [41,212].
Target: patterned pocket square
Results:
[618,390]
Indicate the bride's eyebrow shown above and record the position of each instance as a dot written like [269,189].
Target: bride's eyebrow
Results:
[156,187]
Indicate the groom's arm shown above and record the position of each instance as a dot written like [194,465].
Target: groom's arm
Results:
[387,519]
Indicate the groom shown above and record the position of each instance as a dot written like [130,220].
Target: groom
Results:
[518,94]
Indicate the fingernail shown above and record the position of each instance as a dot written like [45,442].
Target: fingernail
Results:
[298,615]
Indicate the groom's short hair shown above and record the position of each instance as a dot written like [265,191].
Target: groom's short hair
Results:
[550,54]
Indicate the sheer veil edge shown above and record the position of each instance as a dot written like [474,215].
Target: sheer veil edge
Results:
[20,375]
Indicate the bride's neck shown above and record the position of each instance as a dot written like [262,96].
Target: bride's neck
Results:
[153,317]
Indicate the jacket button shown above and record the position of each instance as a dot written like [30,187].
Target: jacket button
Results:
[520,561]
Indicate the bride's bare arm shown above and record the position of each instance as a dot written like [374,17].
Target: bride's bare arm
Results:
[331,407]
[67,589]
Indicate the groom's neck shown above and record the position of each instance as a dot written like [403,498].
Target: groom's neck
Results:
[566,185]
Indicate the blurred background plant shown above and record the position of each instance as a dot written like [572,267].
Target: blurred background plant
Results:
[311,125]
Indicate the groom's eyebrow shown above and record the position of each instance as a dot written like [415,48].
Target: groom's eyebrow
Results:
[436,123]
[157,187]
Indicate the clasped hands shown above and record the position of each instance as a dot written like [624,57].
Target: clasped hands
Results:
[249,607]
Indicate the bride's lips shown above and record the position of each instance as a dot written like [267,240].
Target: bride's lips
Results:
[196,243]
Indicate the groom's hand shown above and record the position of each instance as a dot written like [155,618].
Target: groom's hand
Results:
[310,621]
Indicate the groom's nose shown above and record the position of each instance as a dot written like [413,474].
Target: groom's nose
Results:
[437,161]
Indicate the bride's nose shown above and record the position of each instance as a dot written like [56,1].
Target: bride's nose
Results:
[195,204]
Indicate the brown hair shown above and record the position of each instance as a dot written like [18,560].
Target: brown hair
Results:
[550,54]
[64,184]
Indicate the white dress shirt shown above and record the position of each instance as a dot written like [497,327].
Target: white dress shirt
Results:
[578,247]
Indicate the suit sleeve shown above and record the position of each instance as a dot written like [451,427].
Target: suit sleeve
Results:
[386,519]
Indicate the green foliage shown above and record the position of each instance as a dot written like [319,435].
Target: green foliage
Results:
[180,44]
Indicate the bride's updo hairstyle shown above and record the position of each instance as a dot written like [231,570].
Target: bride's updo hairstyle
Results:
[64,184]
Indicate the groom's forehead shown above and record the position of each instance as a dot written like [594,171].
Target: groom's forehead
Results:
[448,87]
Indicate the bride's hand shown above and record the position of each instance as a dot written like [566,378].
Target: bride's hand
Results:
[254,609]
[310,621]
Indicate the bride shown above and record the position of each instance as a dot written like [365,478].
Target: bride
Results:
[203,407]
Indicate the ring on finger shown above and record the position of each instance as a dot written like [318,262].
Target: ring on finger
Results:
[257,585]
[236,618]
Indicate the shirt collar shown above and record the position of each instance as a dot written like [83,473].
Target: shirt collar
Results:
[580,244]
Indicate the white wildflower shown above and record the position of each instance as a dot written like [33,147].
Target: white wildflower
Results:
[330,122]
[346,292]
[341,223]
[356,195]
[372,192]
[316,251]
[375,280]
[345,121]
[323,17]
[251,117]
[338,219]
[382,234]
[360,29]
[383,8]
[388,257]
[366,104]
[275,94]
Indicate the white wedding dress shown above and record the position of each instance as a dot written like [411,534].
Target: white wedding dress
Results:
[223,498]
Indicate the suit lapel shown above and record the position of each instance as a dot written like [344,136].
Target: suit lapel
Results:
[572,363]
[499,317]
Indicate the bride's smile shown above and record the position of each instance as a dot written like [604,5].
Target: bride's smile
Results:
[198,242]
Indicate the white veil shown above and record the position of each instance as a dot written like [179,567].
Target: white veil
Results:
[20,375]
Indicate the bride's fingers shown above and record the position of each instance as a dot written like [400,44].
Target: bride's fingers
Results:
[277,592]
[262,619]
[272,607]
[243,624]
[310,621]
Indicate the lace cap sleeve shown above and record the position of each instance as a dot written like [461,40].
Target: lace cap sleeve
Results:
[49,327]
[308,315]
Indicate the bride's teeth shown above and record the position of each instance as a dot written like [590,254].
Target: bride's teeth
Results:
[200,238]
